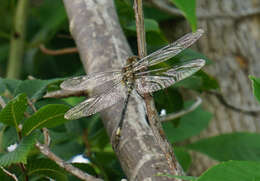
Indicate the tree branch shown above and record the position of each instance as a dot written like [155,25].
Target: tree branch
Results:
[102,46]
[64,93]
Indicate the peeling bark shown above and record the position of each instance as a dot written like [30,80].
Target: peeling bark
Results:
[102,46]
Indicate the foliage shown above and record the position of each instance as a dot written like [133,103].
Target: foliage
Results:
[233,146]
[188,8]
[256,87]
[21,124]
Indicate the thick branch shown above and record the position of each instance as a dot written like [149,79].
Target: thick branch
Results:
[102,46]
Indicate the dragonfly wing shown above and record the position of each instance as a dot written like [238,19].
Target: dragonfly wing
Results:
[95,104]
[168,51]
[165,79]
[90,81]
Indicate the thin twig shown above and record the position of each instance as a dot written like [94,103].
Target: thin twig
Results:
[223,101]
[58,52]
[151,110]
[64,93]
[44,149]
[9,174]
[47,138]
[86,141]
[182,112]
[31,105]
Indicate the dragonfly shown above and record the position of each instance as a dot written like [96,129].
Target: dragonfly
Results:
[118,84]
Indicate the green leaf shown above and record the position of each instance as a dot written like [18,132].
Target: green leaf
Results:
[233,146]
[169,99]
[9,137]
[189,54]
[183,158]
[200,81]
[48,116]
[149,24]
[13,113]
[188,7]
[45,168]
[34,88]
[9,84]
[233,171]
[125,12]
[256,87]
[155,13]
[19,155]
[190,124]
[72,148]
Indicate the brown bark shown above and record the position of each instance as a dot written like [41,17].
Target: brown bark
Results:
[102,46]
[231,40]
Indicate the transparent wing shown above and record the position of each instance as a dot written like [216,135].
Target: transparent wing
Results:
[95,104]
[165,79]
[168,51]
[90,81]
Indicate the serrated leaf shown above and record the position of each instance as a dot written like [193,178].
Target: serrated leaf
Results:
[34,89]
[256,87]
[233,171]
[19,155]
[233,146]
[190,124]
[45,167]
[188,7]
[48,116]
[13,113]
